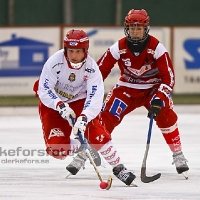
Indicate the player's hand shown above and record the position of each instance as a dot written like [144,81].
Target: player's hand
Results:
[80,125]
[155,108]
[66,112]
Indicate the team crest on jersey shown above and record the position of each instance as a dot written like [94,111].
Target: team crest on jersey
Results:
[72,77]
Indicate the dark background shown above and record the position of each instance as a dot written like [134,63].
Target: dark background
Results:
[97,12]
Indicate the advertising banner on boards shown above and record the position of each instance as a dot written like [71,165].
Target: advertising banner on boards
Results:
[187,60]
[23,52]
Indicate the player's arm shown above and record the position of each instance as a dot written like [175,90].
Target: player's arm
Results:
[46,91]
[93,102]
[166,71]
[108,60]
[95,95]
[48,95]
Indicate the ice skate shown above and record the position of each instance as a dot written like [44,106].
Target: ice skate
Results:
[80,159]
[181,164]
[77,163]
[126,176]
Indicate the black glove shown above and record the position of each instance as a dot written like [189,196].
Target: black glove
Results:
[156,105]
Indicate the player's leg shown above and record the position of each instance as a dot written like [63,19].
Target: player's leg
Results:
[115,107]
[56,133]
[79,160]
[167,122]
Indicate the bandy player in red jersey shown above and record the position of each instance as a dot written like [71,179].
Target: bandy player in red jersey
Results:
[146,79]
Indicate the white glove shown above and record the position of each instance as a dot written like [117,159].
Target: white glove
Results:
[66,112]
[80,125]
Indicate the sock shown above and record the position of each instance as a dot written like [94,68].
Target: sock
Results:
[110,154]
[74,146]
[172,138]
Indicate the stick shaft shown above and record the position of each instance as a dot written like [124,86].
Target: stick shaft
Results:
[143,176]
[90,157]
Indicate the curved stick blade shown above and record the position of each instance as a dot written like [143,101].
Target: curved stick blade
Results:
[109,183]
[146,179]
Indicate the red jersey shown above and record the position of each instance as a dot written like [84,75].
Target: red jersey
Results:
[140,70]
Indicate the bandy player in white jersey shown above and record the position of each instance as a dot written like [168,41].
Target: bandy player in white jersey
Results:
[70,85]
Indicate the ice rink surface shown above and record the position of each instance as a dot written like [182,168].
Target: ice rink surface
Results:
[27,173]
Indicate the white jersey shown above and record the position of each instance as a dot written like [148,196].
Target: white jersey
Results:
[59,82]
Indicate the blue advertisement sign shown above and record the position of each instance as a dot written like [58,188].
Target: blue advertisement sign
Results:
[192,47]
[32,54]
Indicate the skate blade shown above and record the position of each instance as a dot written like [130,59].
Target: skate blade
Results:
[109,183]
[68,174]
[185,175]
[133,184]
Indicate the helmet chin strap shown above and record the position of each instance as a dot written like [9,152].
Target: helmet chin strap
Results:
[77,65]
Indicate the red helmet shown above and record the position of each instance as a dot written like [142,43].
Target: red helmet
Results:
[137,18]
[76,39]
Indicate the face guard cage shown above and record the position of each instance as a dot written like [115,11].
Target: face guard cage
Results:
[135,24]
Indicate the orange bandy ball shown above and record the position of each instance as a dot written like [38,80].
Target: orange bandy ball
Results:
[103,185]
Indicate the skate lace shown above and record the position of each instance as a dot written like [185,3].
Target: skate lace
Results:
[179,160]
[78,163]
[124,174]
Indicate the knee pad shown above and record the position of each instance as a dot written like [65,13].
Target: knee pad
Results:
[166,118]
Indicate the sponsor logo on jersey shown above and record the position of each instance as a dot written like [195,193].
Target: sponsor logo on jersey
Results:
[100,138]
[122,51]
[64,94]
[165,89]
[127,62]
[141,71]
[72,77]
[150,51]
[57,65]
[87,104]
[89,70]
[49,91]
[56,132]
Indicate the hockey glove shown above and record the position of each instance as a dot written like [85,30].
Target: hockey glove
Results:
[80,125]
[66,112]
[155,108]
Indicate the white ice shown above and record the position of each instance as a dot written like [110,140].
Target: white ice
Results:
[20,128]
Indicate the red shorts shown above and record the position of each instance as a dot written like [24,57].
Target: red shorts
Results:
[56,130]
[118,103]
